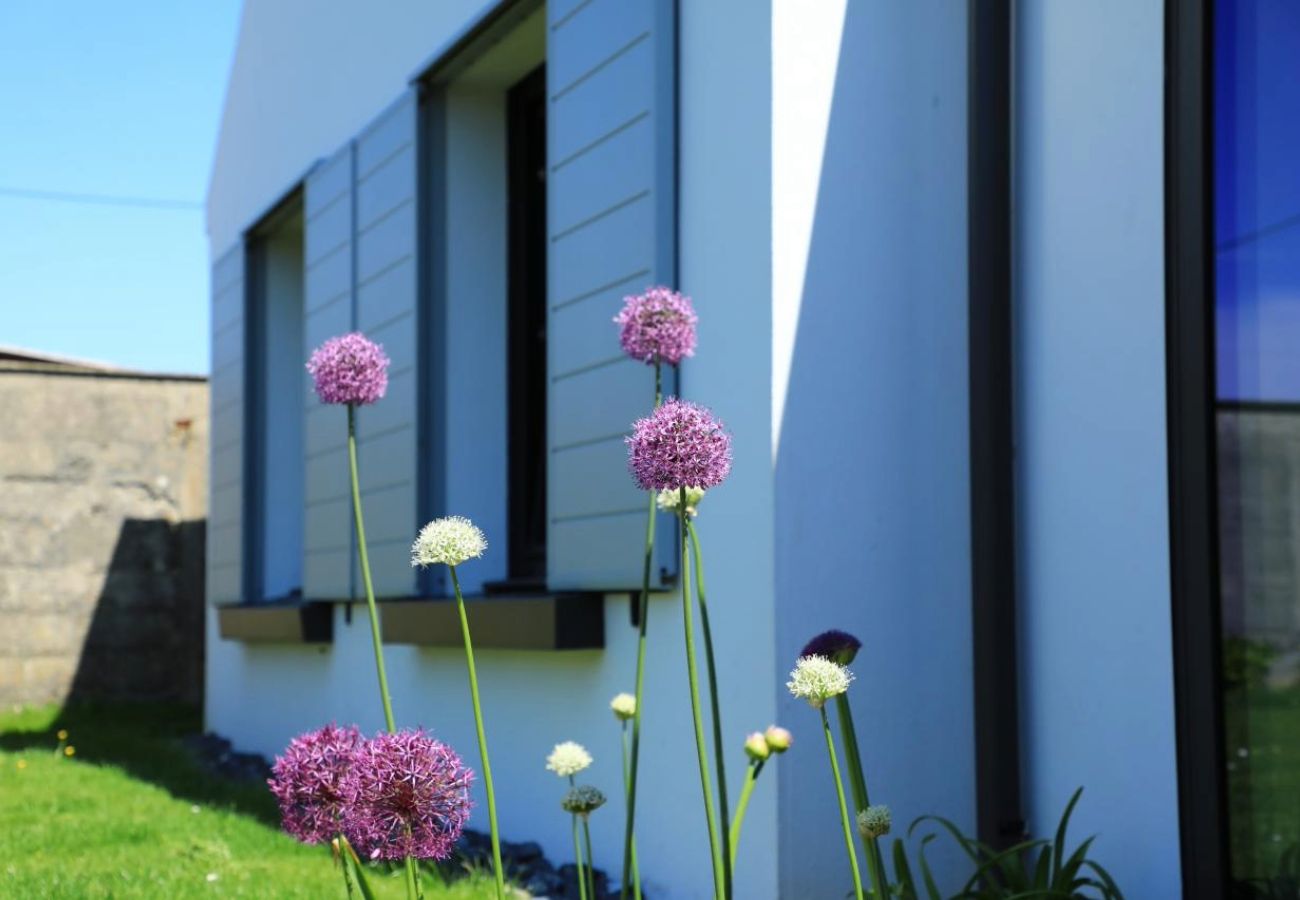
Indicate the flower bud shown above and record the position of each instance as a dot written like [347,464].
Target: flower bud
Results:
[874,821]
[778,739]
[624,706]
[756,746]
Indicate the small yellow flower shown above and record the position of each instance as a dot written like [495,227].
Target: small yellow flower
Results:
[22,764]
[62,734]
[69,750]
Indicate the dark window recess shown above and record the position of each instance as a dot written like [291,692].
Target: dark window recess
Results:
[526,367]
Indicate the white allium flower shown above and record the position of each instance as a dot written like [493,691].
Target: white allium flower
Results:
[668,500]
[624,706]
[449,541]
[874,821]
[817,679]
[568,759]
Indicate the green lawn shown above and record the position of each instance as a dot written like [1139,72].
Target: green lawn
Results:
[131,815]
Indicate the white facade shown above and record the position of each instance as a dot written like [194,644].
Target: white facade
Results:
[821,229]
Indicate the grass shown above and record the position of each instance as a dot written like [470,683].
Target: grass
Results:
[132,815]
[1263,747]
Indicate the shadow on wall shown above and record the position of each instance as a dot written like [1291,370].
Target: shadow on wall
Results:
[871,470]
[144,641]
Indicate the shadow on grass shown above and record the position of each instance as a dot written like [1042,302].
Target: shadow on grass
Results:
[143,740]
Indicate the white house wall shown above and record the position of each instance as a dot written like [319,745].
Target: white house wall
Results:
[872,511]
[303,85]
[1096,658]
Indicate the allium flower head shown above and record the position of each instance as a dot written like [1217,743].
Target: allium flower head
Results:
[668,500]
[679,445]
[407,795]
[756,746]
[624,706]
[583,800]
[307,781]
[349,369]
[778,739]
[818,679]
[657,326]
[568,758]
[839,646]
[449,541]
[874,821]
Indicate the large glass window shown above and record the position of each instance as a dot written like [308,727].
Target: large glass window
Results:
[1257,337]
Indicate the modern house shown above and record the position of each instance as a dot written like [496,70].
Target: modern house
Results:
[998,300]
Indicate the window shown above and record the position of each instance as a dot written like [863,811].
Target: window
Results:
[526,355]
[276,383]
[1256,238]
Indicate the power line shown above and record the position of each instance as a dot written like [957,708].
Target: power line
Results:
[100,199]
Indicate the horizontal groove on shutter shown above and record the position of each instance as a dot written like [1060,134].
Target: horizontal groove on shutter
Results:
[328,538]
[226,459]
[611,227]
[386,301]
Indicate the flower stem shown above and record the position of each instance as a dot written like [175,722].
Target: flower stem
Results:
[376,640]
[858,785]
[591,866]
[577,858]
[751,777]
[497,869]
[345,864]
[643,609]
[692,677]
[844,810]
[724,814]
[636,871]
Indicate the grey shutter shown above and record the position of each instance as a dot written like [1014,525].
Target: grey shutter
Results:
[611,70]
[225,534]
[386,300]
[327,304]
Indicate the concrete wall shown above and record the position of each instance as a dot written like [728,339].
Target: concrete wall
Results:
[1096,657]
[103,493]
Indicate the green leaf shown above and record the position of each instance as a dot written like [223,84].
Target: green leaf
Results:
[1060,836]
[930,887]
[1043,872]
[974,849]
[1112,890]
[1071,867]
[903,872]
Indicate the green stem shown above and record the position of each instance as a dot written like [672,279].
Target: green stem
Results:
[844,810]
[724,814]
[591,865]
[376,639]
[644,609]
[858,785]
[692,677]
[636,869]
[751,778]
[497,869]
[577,858]
[346,865]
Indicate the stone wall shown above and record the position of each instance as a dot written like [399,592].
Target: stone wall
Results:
[103,493]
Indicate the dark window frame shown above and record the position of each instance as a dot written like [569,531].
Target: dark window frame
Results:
[1193,502]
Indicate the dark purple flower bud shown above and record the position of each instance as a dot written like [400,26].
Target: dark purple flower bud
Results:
[837,646]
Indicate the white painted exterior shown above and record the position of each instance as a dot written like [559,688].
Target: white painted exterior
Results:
[821,229]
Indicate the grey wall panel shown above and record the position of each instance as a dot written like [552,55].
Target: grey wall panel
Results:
[226,424]
[612,231]
[386,304]
[329,213]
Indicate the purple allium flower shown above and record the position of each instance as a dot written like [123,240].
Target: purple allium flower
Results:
[406,795]
[308,779]
[657,326]
[679,445]
[835,645]
[350,368]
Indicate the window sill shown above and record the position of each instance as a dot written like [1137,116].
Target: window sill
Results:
[277,623]
[542,621]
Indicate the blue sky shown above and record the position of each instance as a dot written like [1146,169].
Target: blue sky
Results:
[121,100]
